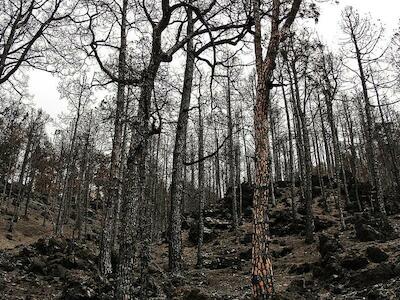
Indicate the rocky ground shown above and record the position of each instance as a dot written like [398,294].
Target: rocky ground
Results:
[362,262]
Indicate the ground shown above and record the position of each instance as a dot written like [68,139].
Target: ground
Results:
[338,265]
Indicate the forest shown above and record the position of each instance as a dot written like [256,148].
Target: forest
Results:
[215,149]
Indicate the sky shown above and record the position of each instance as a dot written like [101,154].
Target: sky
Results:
[43,86]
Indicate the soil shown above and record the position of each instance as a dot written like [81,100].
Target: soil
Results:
[338,265]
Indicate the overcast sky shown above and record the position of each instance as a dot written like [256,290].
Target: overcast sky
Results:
[43,87]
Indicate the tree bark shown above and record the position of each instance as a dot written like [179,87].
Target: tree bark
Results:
[113,191]
[177,181]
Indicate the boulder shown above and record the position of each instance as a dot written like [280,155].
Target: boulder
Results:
[247,238]
[246,255]
[48,246]
[194,294]
[322,224]
[187,222]
[328,245]
[365,233]
[282,252]
[209,234]
[6,262]
[300,269]
[78,291]
[222,263]
[37,266]
[215,223]
[376,255]
[381,273]
[58,270]
[354,262]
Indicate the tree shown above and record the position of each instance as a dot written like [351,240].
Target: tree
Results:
[25,32]
[364,41]
[116,161]
[262,275]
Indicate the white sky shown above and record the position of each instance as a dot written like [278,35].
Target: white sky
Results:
[43,86]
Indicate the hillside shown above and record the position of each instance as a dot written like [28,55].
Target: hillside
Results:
[350,264]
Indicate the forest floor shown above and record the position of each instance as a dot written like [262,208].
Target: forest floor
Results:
[361,262]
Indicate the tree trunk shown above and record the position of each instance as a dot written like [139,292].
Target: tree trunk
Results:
[177,181]
[231,155]
[370,145]
[113,191]
[201,189]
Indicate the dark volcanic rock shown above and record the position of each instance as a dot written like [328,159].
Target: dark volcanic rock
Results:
[281,224]
[300,269]
[376,255]
[215,223]
[209,234]
[246,239]
[282,252]
[222,263]
[246,255]
[322,224]
[329,266]
[194,294]
[354,262]
[328,245]
[381,273]
[247,196]
[58,270]
[6,262]
[38,266]
[187,222]
[78,291]
[365,233]
[50,246]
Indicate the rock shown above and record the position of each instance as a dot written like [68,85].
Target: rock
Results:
[194,294]
[376,255]
[215,223]
[91,237]
[247,238]
[300,269]
[282,252]
[222,263]
[381,273]
[331,268]
[78,291]
[282,184]
[396,268]
[246,255]
[58,270]
[69,262]
[377,295]
[187,223]
[50,246]
[328,245]
[365,233]
[86,253]
[6,262]
[38,266]
[3,284]
[322,224]
[285,230]
[354,262]
[247,196]
[26,252]
[209,234]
